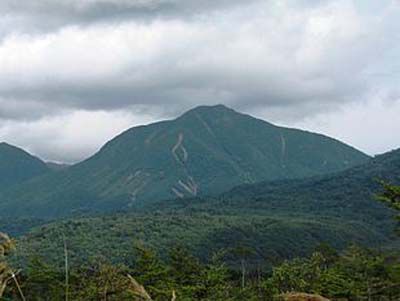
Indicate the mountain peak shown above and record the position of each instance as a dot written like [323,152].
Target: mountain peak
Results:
[6,147]
[17,165]
[217,107]
[5,144]
[211,109]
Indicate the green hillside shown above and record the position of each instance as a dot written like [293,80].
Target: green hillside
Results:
[17,166]
[276,220]
[206,151]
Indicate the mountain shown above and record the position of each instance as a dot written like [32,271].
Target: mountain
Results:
[17,166]
[205,151]
[277,220]
[349,195]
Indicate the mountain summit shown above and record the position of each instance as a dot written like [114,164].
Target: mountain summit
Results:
[17,166]
[207,150]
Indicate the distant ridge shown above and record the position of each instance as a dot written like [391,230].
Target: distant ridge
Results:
[207,150]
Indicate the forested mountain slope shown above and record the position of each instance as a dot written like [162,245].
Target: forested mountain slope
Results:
[276,220]
[17,166]
[205,151]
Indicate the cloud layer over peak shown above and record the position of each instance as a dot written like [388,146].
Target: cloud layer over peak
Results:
[292,60]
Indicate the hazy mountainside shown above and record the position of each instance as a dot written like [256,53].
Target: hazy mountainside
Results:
[207,150]
[57,166]
[17,166]
[276,220]
[352,189]
[348,195]
[360,180]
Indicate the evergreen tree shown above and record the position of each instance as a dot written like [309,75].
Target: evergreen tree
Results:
[391,197]
[43,282]
[100,280]
[216,279]
[187,273]
[152,273]
[366,273]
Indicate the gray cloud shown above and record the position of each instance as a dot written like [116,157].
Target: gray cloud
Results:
[47,15]
[104,9]
[291,60]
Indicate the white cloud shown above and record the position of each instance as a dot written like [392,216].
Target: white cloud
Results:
[290,61]
[373,126]
[72,136]
[266,54]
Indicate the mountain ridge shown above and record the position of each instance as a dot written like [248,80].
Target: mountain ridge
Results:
[18,166]
[206,150]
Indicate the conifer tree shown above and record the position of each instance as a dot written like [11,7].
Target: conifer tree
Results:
[152,273]
[216,277]
[187,272]
[43,280]
[391,196]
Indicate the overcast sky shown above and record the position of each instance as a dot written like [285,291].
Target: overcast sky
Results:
[74,73]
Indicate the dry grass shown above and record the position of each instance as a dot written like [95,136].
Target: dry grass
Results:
[6,246]
[139,291]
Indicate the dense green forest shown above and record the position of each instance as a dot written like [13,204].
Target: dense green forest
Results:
[279,220]
[354,274]
[272,237]
[227,274]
